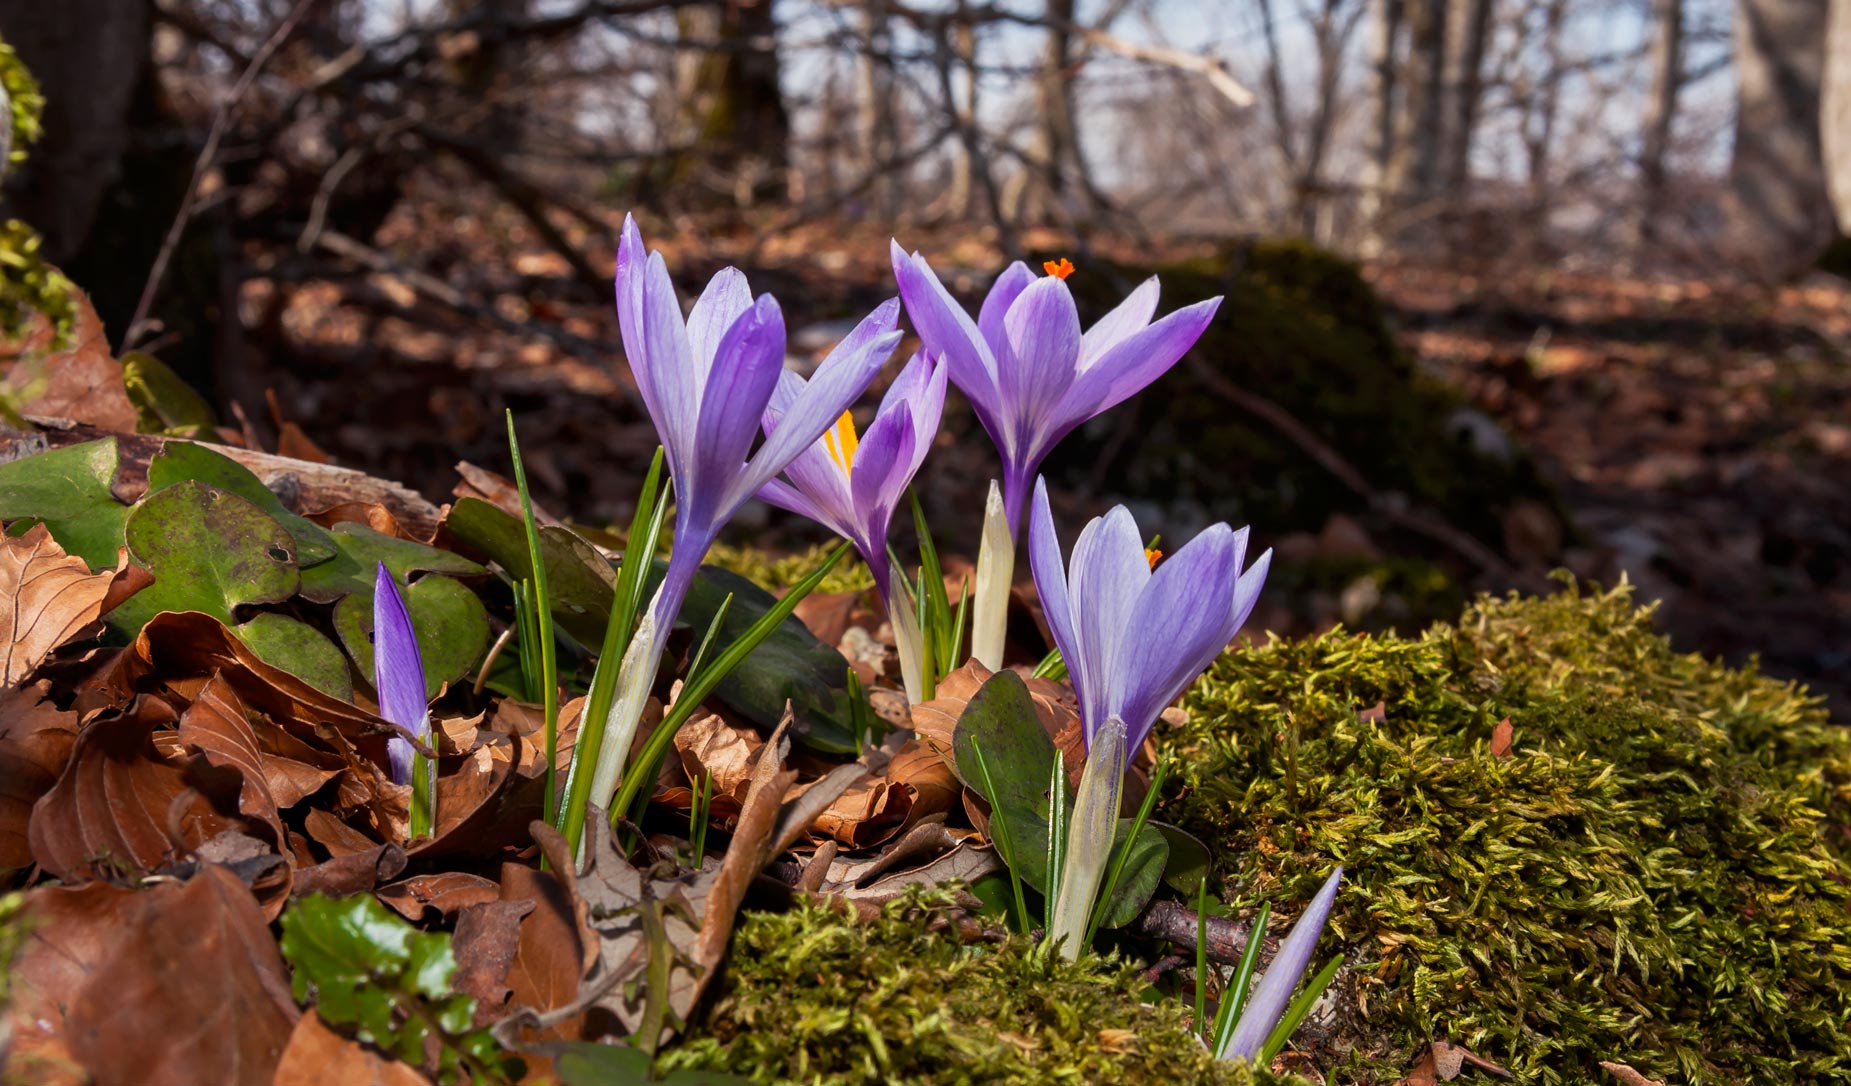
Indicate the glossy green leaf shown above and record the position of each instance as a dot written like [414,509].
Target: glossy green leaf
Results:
[299,649]
[179,461]
[579,579]
[164,403]
[1189,858]
[1143,871]
[209,551]
[1000,717]
[451,623]
[69,490]
[358,552]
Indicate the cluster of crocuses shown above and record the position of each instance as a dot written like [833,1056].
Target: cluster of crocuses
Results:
[1133,637]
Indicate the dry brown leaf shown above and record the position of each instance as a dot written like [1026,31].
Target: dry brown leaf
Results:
[175,985]
[82,381]
[351,873]
[446,892]
[828,615]
[557,945]
[318,1056]
[36,738]
[1500,739]
[46,598]
[1627,1075]
[487,940]
[121,806]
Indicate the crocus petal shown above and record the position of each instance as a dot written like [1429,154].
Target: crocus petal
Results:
[841,377]
[1137,360]
[1131,315]
[1041,340]
[1044,561]
[1181,622]
[880,463]
[1247,589]
[785,496]
[398,670]
[746,369]
[1105,578]
[725,300]
[949,333]
[996,304]
[1283,974]
[654,341]
[919,391]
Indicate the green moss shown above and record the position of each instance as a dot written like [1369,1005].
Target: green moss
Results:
[1302,328]
[1647,877]
[27,284]
[813,997]
[776,573]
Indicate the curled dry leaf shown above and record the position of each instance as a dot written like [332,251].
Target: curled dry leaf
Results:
[1501,735]
[486,942]
[445,892]
[122,806]
[46,598]
[81,381]
[175,985]
[557,946]
[36,738]
[318,1056]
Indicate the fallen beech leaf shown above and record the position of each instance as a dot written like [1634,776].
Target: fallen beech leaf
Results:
[352,873]
[486,942]
[447,892]
[1627,1075]
[176,985]
[557,945]
[81,381]
[1500,739]
[318,1056]
[122,807]
[46,598]
[36,738]
[828,615]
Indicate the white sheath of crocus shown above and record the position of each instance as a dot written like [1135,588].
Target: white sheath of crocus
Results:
[1090,835]
[907,641]
[995,574]
[635,676]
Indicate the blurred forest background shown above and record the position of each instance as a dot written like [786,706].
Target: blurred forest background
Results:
[1514,285]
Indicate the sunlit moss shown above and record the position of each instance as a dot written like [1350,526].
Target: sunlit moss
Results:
[1647,876]
[776,573]
[27,284]
[812,997]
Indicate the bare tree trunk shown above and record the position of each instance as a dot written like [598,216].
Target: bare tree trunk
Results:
[1539,138]
[732,101]
[1413,169]
[1835,117]
[1777,172]
[1387,20]
[1059,134]
[1469,26]
[1667,62]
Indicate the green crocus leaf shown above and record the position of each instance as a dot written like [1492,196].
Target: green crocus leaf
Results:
[69,490]
[358,550]
[210,551]
[299,649]
[180,461]
[450,621]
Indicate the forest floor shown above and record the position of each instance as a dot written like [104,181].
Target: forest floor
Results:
[1700,435]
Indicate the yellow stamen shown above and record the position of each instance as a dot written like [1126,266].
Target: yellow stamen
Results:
[841,441]
[1059,269]
[1152,555]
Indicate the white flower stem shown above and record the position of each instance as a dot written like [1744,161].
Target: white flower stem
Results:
[908,642]
[1090,838]
[995,575]
[635,677]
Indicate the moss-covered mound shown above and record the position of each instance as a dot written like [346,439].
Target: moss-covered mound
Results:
[1650,872]
[1301,328]
[813,997]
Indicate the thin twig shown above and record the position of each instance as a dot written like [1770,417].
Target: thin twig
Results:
[220,122]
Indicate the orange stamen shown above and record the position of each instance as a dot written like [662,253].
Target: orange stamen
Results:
[1059,269]
[841,441]
[1152,555]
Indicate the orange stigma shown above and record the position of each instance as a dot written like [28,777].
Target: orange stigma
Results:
[841,441]
[1153,556]
[1059,269]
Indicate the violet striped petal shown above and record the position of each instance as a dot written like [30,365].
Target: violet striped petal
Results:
[1041,340]
[398,671]
[880,462]
[785,496]
[726,299]
[996,304]
[948,332]
[1181,622]
[750,357]
[1135,361]
[841,377]
[1129,316]
[1274,992]
[1050,574]
[1104,580]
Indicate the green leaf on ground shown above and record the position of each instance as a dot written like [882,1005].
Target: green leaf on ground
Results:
[209,551]
[450,621]
[180,461]
[358,552]
[579,579]
[1000,717]
[299,649]
[69,490]
[164,404]
[1143,871]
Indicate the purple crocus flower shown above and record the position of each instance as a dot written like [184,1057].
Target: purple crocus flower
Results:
[1134,638]
[398,673]
[1030,374]
[1270,997]
[706,382]
[852,485]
